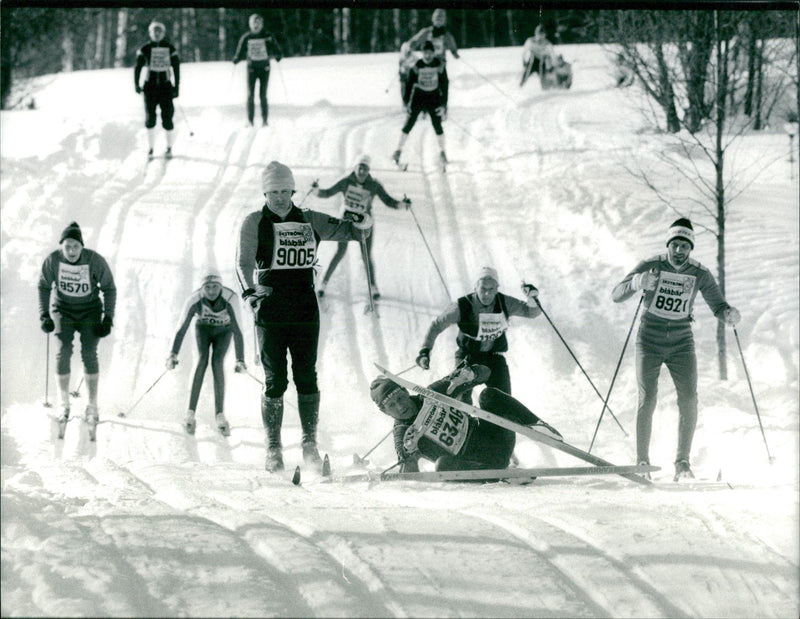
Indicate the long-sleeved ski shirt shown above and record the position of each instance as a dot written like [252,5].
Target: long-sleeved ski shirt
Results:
[426,78]
[78,285]
[159,57]
[257,48]
[672,300]
[221,314]
[358,196]
[440,37]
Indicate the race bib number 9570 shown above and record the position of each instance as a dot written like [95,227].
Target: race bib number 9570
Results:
[73,280]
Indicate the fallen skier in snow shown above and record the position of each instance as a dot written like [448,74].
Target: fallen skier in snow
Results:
[449,437]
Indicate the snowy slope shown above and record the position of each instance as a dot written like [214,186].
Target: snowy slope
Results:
[149,521]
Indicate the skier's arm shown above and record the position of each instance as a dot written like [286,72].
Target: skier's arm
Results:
[413,76]
[246,251]
[629,285]
[240,53]
[107,286]
[46,279]
[238,339]
[137,71]
[332,228]
[712,294]
[408,461]
[450,43]
[339,187]
[440,323]
[385,197]
[189,311]
[274,43]
[175,61]
[418,39]
[516,307]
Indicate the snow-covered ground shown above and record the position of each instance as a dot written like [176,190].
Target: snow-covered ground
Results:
[150,521]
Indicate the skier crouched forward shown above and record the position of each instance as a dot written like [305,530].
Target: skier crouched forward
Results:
[447,436]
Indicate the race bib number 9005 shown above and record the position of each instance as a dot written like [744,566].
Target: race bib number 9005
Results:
[294,247]
[673,296]
[73,280]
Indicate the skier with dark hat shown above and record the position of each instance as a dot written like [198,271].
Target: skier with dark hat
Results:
[670,283]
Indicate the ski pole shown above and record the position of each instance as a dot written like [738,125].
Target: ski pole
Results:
[390,83]
[358,460]
[186,120]
[47,376]
[752,395]
[280,75]
[496,87]
[614,378]
[308,193]
[424,240]
[155,382]
[563,341]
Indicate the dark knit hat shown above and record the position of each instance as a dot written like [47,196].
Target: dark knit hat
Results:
[428,45]
[681,229]
[72,231]
[381,388]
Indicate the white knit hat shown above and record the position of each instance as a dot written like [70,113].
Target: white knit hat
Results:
[488,272]
[212,277]
[681,229]
[276,177]
[363,159]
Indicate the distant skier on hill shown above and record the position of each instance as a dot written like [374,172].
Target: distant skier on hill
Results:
[358,188]
[442,40]
[670,282]
[215,308]
[275,262]
[258,47]
[450,438]
[538,54]
[85,299]
[482,319]
[424,94]
[160,57]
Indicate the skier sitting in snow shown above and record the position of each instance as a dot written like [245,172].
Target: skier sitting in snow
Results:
[358,188]
[159,56]
[537,53]
[214,305]
[80,276]
[449,437]
[424,93]
[482,319]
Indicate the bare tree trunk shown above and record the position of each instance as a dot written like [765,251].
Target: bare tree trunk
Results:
[413,22]
[108,44]
[346,30]
[463,42]
[667,93]
[491,28]
[68,49]
[719,166]
[222,35]
[759,79]
[310,45]
[512,36]
[751,70]
[337,30]
[100,38]
[398,38]
[374,38]
[122,38]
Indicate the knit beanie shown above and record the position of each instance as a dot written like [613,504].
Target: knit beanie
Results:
[276,177]
[681,229]
[72,231]
[380,389]
[428,45]
[487,272]
[363,159]
[212,277]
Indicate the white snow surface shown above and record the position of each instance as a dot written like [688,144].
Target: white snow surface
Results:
[150,521]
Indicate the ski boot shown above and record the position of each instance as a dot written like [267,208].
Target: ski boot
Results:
[222,425]
[645,475]
[150,155]
[546,428]
[92,419]
[375,294]
[443,160]
[274,462]
[62,420]
[396,157]
[308,408]
[682,470]
[168,153]
[311,454]
[189,422]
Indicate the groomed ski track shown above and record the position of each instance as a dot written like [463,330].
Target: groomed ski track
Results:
[267,548]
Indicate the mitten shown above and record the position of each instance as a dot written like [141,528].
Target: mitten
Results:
[174,92]
[406,203]
[104,328]
[530,291]
[732,316]
[48,326]
[424,358]
[240,367]
[172,361]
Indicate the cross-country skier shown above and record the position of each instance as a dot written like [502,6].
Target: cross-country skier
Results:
[538,54]
[275,265]
[257,46]
[424,94]
[407,60]
[442,40]
[85,299]
[449,437]
[161,58]
[670,282]
[216,309]
[482,319]
[358,189]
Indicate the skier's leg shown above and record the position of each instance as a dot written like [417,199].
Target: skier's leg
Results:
[272,342]
[219,348]
[341,249]
[203,345]
[167,110]
[262,95]
[308,409]
[251,86]
[367,258]
[649,357]
[500,376]
[503,405]
[682,366]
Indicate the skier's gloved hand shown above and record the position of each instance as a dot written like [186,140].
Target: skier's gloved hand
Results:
[424,358]
[138,89]
[645,281]
[362,221]
[732,316]
[530,291]
[278,58]
[172,361]
[104,328]
[48,326]
[235,60]
[406,203]
[174,92]
[460,377]
[441,112]
[314,184]
[241,366]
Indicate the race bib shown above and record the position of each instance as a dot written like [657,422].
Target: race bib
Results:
[445,426]
[73,280]
[491,326]
[159,59]
[356,199]
[294,247]
[428,78]
[257,49]
[673,295]
[208,316]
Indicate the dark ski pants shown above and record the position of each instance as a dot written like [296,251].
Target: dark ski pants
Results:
[500,377]
[300,339]
[262,76]
[215,341]
[160,96]
[424,102]
[366,256]
[67,324]
[673,346]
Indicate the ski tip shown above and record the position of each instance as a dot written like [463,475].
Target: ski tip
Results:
[326,466]
[296,476]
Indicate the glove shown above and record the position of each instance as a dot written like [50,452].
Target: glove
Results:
[172,361]
[235,61]
[362,221]
[138,89]
[174,92]
[314,184]
[278,58]
[645,281]
[424,358]
[48,326]
[731,316]
[441,112]
[530,291]
[240,367]
[406,203]
[104,328]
